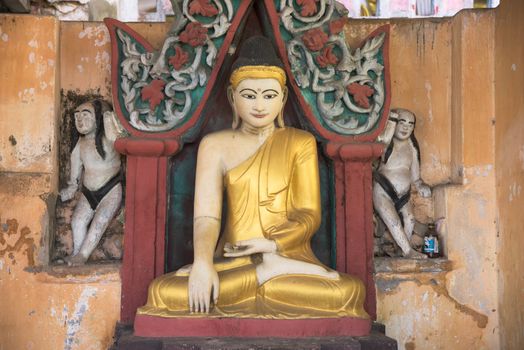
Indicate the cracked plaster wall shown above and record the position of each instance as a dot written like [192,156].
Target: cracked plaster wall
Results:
[509,100]
[444,72]
[431,65]
[40,310]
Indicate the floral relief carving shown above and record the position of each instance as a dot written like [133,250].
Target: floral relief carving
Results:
[348,85]
[195,34]
[153,93]
[203,7]
[327,57]
[309,7]
[314,39]
[180,58]
[167,79]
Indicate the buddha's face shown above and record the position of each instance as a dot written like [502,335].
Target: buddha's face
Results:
[258,101]
[85,121]
[405,125]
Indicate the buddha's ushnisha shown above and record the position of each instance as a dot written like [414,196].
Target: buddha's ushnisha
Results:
[262,266]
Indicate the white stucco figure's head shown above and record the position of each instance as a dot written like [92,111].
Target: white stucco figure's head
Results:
[85,120]
[405,124]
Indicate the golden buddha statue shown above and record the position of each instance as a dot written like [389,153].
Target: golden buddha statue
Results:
[262,266]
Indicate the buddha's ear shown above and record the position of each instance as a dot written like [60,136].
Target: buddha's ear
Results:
[230,95]
[231,99]
[284,95]
[280,118]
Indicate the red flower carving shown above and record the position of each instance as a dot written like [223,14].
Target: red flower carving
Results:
[337,25]
[154,93]
[202,7]
[195,34]
[179,59]
[327,57]
[361,93]
[314,39]
[309,7]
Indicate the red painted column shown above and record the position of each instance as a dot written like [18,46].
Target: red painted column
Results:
[354,212]
[145,218]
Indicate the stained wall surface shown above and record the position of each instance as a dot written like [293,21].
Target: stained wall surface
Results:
[40,308]
[509,148]
[442,70]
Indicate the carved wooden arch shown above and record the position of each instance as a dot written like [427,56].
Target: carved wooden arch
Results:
[148,152]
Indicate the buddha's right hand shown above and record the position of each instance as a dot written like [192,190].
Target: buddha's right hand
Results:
[203,279]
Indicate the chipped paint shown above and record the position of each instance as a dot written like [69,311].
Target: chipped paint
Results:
[31,57]
[73,323]
[514,67]
[15,241]
[99,33]
[521,156]
[514,191]
[390,285]
[27,95]
[4,36]
[104,60]
[33,43]
[427,86]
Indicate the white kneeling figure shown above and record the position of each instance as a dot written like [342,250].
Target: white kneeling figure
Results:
[94,155]
[398,170]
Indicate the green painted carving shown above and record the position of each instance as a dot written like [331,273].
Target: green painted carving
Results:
[159,91]
[345,89]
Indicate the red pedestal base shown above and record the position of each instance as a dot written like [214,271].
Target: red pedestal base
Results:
[152,326]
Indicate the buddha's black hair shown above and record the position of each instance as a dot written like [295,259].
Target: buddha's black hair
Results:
[257,51]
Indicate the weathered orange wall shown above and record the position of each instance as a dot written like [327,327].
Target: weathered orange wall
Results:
[442,70]
[509,148]
[50,309]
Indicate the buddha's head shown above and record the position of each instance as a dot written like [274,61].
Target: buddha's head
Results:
[257,90]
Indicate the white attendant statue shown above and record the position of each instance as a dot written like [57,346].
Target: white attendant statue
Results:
[398,170]
[95,155]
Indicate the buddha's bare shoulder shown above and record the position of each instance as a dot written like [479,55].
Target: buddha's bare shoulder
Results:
[218,140]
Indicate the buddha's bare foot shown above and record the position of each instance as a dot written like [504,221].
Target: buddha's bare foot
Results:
[274,265]
[75,260]
[413,254]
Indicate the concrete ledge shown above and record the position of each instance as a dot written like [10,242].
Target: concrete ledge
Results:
[401,265]
[376,340]
[106,272]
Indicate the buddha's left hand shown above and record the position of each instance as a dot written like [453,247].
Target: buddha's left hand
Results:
[249,247]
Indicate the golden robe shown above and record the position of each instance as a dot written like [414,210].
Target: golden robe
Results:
[274,194]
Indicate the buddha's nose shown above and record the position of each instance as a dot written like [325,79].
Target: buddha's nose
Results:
[259,107]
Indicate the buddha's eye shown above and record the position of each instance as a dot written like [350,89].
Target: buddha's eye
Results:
[270,96]
[249,96]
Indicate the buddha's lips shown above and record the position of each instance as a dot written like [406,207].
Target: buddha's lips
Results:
[259,115]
